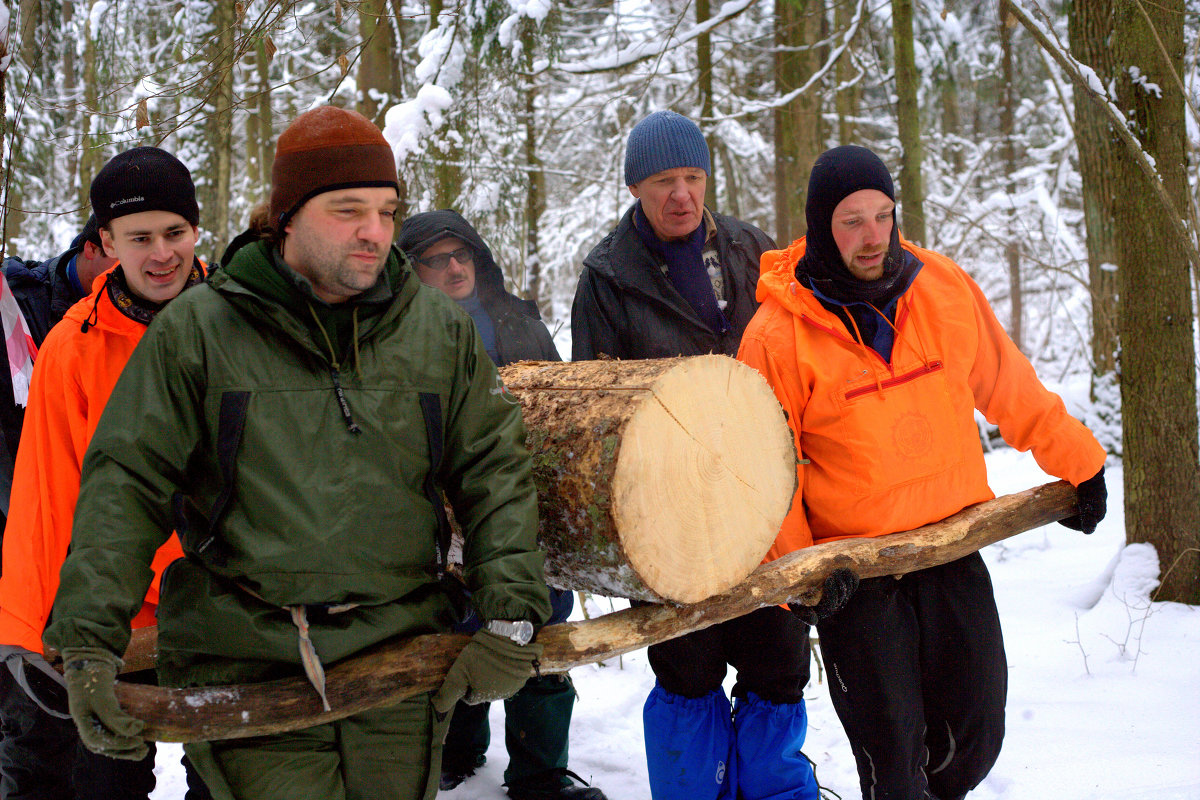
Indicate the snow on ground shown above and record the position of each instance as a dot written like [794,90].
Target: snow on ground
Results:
[1103,700]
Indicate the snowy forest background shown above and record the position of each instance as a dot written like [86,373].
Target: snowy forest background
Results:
[515,112]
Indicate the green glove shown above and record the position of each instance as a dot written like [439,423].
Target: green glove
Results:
[91,676]
[489,668]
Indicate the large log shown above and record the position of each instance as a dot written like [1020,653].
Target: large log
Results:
[657,480]
[404,668]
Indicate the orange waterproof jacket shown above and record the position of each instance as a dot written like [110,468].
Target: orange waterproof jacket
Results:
[72,378]
[888,447]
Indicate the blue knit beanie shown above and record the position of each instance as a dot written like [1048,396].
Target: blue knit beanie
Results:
[664,140]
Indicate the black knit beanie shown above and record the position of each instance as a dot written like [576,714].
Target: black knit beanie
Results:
[143,179]
[837,174]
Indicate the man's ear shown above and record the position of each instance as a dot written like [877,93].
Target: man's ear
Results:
[633,190]
[107,240]
[92,251]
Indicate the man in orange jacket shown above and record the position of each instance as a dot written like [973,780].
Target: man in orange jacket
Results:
[880,351]
[145,204]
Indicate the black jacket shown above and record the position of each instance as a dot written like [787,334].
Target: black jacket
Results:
[520,333]
[44,293]
[625,307]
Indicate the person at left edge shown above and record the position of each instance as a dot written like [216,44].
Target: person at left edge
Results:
[146,211]
[44,291]
[297,418]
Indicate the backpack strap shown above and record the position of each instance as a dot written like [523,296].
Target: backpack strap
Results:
[431,410]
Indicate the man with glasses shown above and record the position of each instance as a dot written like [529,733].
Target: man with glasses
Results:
[451,256]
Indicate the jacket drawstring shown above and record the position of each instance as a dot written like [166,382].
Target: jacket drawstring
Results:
[91,319]
[858,339]
[334,369]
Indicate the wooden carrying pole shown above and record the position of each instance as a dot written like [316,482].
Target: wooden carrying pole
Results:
[396,670]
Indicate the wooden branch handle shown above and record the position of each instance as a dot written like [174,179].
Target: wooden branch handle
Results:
[395,670]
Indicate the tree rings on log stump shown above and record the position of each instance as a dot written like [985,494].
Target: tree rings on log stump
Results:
[662,479]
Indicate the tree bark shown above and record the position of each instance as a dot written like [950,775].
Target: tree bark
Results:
[908,118]
[403,668]
[535,189]
[799,129]
[1089,28]
[221,154]
[704,81]
[644,468]
[1008,156]
[1158,358]
[848,94]
[92,156]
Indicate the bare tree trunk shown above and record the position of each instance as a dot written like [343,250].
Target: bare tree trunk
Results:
[375,61]
[71,115]
[1008,157]
[1089,27]
[951,119]
[265,145]
[448,175]
[91,157]
[535,188]
[704,81]
[1158,359]
[217,214]
[912,186]
[799,132]
[847,99]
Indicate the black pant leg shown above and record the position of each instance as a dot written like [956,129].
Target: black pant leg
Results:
[99,777]
[871,649]
[770,651]
[36,749]
[692,665]
[965,681]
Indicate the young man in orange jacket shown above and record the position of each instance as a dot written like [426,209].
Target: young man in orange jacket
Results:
[879,352]
[145,204]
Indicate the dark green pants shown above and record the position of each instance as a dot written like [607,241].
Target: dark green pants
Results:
[536,721]
[384,754]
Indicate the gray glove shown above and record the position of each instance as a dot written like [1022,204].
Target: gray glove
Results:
[489,668]
[91,676]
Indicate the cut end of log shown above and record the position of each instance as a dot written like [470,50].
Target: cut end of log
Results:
[704,477]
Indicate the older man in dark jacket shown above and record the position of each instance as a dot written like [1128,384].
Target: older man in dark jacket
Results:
[450,255]
[676,279]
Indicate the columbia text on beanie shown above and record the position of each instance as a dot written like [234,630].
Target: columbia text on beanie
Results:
[143,179]
[325,149]
[664,140]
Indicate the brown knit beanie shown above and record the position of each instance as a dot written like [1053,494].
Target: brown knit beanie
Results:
[323,150]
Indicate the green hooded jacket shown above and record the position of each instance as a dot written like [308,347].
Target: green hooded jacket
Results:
[284,439]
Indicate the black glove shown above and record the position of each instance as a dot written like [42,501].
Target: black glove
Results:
[840,584]
[104,727]
[1093,504]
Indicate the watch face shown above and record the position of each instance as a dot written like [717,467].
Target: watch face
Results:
[520,632]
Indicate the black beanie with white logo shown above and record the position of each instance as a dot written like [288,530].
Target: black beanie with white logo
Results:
[143,179]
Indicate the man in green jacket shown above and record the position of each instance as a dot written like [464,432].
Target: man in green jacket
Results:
[296,420]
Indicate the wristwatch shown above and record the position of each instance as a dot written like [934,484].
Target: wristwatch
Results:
[520,631]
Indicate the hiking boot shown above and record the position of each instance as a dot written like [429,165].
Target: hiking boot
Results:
[454,774]
[555,785]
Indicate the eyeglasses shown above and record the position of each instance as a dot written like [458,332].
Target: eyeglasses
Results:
[462,255]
